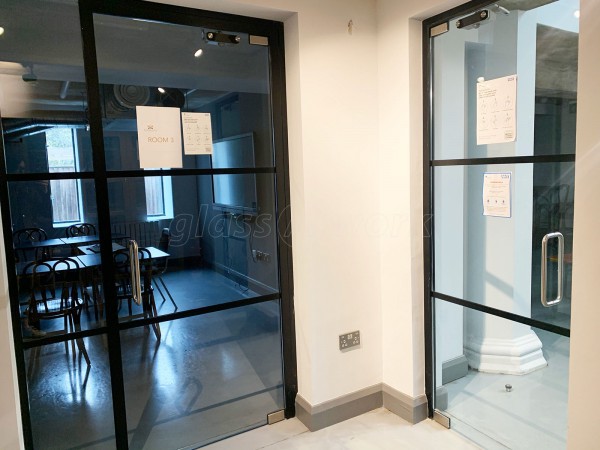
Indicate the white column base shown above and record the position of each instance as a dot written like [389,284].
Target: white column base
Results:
[517,356]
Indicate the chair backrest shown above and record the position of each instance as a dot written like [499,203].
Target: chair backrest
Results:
[165,239]
[54,279]
[29,235]
[25,235]
[163,244]
[123,269]
[81,229]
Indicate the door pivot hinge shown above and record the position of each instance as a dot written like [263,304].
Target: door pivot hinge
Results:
[438,29]
[276,416]
[259,40]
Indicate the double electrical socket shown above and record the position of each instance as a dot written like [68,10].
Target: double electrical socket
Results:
[261,256]
[349,340]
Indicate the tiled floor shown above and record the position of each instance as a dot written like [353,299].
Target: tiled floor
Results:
[378,429]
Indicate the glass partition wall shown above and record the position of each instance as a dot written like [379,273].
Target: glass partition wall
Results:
[150,285]
[501,97]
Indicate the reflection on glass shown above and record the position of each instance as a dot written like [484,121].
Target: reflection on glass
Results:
[229,81]
[202,253]
[496,261]
[221,371]
[518,41]
[43,89]
[499,381]
[70,402]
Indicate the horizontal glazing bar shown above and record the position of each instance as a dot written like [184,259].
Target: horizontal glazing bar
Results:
[504,314]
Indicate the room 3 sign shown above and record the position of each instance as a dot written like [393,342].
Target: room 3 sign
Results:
[159,137]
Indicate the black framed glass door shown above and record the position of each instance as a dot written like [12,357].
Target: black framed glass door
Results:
[188,344]
[499,183]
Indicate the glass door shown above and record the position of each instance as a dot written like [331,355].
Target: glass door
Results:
[499,187]
[190,166]
[146,215]
[47,192]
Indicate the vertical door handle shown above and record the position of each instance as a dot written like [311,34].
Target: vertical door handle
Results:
[544,267]
[134,269]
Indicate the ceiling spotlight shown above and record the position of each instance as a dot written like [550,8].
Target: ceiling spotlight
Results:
[576,14]
[198,53]
[161,90]
[1,31]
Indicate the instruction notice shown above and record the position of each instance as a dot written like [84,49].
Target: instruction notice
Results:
[496,110]
[159,137]
[197,133]
[496,194]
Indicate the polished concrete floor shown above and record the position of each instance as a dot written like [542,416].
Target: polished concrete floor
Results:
[209,377]
[375,430]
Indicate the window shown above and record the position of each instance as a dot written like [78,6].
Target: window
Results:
[159,198]
[66,194]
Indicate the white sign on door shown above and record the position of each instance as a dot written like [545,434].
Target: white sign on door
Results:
[197,133]
[159,137]
[497,110]
[496,194]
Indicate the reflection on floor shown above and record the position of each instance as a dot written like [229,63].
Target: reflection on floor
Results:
[378,429]
[209,377]
[532,415]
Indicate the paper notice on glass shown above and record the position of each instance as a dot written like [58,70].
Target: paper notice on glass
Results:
[159,137]
[197,133]
[496,110]
[496,194]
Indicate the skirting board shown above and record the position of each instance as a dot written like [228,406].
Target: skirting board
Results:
[454,369]
[356,403]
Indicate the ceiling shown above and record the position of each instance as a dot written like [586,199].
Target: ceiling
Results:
[41,59]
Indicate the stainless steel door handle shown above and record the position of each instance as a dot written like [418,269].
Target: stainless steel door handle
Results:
[561,263]
[134,269]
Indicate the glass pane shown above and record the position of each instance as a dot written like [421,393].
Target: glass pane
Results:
[495,261]
[224,378]
[42,240]
[203,253]
[70,402]
[509,42]
[42,88]
[158,68]
[503,384]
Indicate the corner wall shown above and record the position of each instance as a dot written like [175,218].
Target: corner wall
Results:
[584,368]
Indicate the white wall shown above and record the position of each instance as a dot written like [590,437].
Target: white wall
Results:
[334,167]
[10,415]
[585,364]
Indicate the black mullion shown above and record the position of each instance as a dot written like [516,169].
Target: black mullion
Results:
[49,176]
[13,296]
[282,201]
[197,311]
[64,337]
[183,172]
[504,314]
[179,15]
[504,160]
[428,310]
[96,132]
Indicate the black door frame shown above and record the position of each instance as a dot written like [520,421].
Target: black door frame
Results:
[180,16]
[429,163]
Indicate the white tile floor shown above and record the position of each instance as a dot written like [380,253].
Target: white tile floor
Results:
[378,429]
